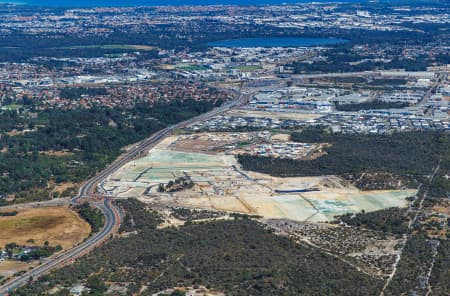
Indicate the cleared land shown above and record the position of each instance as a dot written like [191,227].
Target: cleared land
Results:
[220,184]
[10,267]
[57,225]
[274,115]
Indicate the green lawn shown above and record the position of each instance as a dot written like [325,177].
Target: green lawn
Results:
[248,68]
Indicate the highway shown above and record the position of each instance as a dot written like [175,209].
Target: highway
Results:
[111,219]
[112,216]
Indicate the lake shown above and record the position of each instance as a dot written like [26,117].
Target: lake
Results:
[276,42]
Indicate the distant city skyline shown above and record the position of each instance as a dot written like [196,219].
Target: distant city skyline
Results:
[125,3]
[93,3]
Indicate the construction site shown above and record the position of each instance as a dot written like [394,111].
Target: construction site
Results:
[219,184]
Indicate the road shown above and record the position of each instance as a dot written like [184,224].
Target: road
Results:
[410,225]
[441,76]
[112,216]
[353,74]
[48,203]
[111,219]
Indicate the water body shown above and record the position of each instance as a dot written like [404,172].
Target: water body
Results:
[276,42]
[108,3]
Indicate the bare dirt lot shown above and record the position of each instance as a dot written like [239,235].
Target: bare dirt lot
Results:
[57,225]
[10,267]
[275,115]
[221,185]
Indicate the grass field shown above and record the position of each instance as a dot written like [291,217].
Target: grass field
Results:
[57,225]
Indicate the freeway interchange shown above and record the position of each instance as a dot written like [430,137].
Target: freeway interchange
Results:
[111,212]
